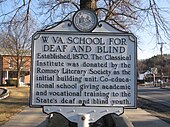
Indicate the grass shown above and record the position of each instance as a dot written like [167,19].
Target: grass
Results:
[15,103]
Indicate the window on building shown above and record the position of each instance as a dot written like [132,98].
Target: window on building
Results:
[11,63]
[22,79]
[5,73]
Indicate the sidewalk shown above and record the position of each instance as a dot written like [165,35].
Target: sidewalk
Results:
[33,117]
[141,118]
[30,117]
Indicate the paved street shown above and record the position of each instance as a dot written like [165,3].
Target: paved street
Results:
[155,94]
[141,118]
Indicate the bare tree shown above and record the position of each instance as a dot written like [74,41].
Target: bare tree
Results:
[126,15]
[16,43]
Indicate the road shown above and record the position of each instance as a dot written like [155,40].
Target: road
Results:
[155,94]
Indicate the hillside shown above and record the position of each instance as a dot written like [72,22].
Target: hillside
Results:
[156,62]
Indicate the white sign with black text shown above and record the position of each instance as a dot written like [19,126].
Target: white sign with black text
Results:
[91,69]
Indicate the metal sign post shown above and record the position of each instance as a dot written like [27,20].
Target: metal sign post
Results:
[83,75]
[83,120]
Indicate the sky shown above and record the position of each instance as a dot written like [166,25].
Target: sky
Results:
[147,45]
[147,50]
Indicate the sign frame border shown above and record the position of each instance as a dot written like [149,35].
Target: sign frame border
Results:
[36,34]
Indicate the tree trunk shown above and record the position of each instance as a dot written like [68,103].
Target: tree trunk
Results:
[18,77]
[88,4]
[18,70]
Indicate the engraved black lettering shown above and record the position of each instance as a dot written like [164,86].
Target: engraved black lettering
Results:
[45,39]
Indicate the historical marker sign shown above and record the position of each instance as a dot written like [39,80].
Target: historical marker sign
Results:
[72,68]
[92,69]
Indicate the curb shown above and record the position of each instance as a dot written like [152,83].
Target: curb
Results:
[122,121]
[4,94]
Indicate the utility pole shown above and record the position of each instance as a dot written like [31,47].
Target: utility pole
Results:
[161,49]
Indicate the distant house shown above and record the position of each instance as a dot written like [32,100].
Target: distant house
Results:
[149,77]
[8,68]
[141,77]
